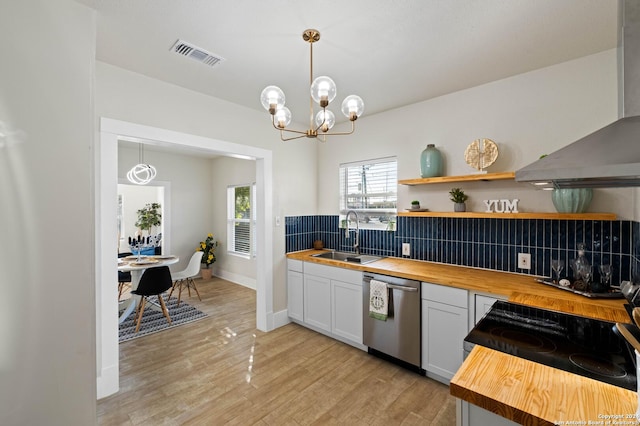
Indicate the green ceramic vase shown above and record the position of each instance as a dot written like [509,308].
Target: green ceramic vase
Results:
[572,200]
[430,162]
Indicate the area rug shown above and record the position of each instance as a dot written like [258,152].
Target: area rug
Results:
[153,321]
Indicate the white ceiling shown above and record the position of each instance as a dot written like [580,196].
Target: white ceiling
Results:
[391,53]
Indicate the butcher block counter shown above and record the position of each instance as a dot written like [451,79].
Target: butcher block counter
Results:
[517,287]
[534,394]
[521,390]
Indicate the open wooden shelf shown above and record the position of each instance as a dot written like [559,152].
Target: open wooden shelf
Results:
[484,215]
[527,215]
[464,178]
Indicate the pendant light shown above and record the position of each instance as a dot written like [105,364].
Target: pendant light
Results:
[141,173]
[322,91]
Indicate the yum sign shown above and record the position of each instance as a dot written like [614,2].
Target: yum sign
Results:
[501,206]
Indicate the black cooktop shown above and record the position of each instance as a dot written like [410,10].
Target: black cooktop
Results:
[580,345]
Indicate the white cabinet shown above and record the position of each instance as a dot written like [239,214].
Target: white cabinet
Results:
[326,299]
[317,302]
[346,307]
[472,415]
[480,304]
[295,292]
[295,301]
[444,327]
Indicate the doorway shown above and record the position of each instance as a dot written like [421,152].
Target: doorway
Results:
[131,198]
[111,131]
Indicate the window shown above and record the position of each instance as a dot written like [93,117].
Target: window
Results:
[370,188]
[241,220]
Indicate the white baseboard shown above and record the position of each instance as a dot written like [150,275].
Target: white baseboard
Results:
[236,278]
[280,318]
[107,382]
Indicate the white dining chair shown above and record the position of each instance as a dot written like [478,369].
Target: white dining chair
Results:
[185,277]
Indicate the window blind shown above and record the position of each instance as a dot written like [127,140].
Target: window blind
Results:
[241,220]
[370,188]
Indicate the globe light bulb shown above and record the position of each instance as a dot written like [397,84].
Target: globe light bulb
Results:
[272,98]
[282,118]
[323,90]
[325,120]
[352,107]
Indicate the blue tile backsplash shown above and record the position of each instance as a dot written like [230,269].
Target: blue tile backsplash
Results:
[483,243]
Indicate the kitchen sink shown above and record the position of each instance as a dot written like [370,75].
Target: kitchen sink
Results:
[344,256]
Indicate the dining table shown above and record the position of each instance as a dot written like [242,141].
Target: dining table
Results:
[137,265]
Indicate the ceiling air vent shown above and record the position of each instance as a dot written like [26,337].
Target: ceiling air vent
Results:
[190,51]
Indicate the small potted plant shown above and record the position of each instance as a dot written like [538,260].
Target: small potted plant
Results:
[458,197]
[415,204]
[148,217]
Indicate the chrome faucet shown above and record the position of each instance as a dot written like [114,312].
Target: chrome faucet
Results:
[356,245]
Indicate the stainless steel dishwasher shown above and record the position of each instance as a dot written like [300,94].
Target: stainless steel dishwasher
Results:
[398,338]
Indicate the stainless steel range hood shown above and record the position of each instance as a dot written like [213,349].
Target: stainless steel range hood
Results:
[609,157]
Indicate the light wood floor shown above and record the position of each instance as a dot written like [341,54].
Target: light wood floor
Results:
[221,370]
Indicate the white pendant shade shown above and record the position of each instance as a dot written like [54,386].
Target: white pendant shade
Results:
[141,173]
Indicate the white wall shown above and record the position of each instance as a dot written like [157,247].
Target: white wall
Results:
[47,312]
[526,115]
[189,177]
[132,97]
[225,172]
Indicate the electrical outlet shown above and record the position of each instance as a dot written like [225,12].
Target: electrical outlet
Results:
[406,249]
[524,260]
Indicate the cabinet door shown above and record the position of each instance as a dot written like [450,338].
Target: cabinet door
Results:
[295,295]
[444,328]
[472,415]
[346,306]
[317,302]
[482,306]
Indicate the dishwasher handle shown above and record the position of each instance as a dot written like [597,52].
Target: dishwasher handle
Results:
[402,287]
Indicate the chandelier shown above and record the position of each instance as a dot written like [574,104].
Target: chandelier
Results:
[141,173]
[323,91]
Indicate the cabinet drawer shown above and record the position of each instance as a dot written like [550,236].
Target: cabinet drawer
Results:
[443,294]
[333,273]
[294,265]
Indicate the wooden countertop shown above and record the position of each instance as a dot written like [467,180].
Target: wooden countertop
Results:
[523,391]
[534,394]
[518,288]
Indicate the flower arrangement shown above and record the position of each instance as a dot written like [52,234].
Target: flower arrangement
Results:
[208,246]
